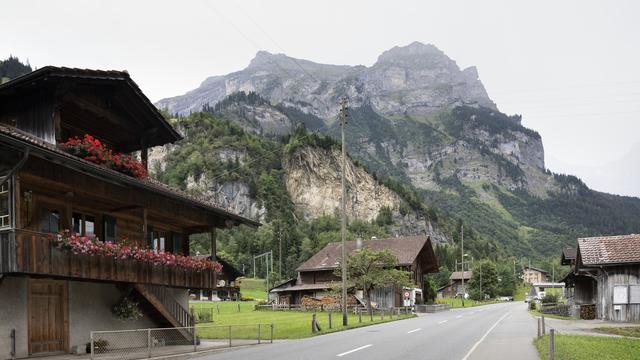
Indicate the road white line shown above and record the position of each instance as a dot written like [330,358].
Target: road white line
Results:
[354,350]
[484,336]
[414,330]
[443,321]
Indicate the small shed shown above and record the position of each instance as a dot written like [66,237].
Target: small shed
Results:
[607,275]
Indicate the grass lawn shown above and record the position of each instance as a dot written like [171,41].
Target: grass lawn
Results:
[536,313]
[521,291]
[584,347]
[253,288]
[631,331]
[457,302]
[287,324]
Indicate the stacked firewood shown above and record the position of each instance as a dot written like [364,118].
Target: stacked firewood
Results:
[328,302]
[587,312]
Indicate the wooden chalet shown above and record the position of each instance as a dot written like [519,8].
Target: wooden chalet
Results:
[455,284]
[53,297]
[227,286]
[316,276]
[605,277]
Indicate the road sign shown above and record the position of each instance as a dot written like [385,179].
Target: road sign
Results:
[407,295]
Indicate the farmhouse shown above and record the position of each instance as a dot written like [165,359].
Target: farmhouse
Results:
[454,288]
[316,276]
[66,179]
[534,275]
[606,278]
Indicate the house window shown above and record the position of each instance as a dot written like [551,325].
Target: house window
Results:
[159,241]
[50,221]
[83,224]
[177,243]
[5,218]
[109,228]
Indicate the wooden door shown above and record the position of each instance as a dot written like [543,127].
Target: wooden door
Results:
[48,316]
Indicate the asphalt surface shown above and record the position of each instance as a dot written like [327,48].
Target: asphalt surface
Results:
[500,331]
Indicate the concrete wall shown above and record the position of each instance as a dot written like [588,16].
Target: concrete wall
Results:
[13,315]
[90,310]
[90,306]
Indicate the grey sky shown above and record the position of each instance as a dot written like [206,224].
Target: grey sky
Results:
[572,68]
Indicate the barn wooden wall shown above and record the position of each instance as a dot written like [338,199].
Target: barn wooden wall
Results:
[622,275]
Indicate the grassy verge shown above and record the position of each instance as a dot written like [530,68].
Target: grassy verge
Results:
[253,288]
[287,324]
[584,347]
[457,302]
[631,331]
[536,313]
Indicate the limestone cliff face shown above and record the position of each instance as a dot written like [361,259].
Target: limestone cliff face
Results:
[416,79]
[313,179]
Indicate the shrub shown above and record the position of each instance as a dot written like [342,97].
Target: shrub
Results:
[550,299]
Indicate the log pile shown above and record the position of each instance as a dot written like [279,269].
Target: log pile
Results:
[587,312]
[328,302]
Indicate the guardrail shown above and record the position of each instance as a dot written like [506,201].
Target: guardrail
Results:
[147,343]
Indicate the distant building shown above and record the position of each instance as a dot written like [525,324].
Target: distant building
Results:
[455,284]
[605,279]
[316,276]
[534,275]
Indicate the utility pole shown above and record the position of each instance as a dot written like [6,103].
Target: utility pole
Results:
[280,252]
[462,258]
[343,225]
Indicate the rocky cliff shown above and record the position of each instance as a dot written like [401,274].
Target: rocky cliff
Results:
[413,79]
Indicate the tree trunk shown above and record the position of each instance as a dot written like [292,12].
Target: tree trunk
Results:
[367,296]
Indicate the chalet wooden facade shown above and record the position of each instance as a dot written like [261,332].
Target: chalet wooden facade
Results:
[316,276]
[605,276]
[53,296]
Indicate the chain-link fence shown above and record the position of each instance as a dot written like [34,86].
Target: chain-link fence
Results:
[147,343]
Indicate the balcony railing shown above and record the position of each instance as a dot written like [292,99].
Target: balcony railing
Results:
[34,254]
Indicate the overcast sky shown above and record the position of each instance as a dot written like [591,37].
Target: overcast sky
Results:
[571,68]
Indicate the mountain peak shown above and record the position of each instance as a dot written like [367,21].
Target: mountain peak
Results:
[264,57]
[415,49]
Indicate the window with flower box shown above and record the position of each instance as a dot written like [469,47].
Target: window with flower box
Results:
[83,224]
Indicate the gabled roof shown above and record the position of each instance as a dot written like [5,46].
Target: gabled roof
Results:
[609,250]
[38,147]
[406,249]
[536,269]
[568,255]
[457,275]
[164,132]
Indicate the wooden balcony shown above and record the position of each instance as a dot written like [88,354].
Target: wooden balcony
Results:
[28,252]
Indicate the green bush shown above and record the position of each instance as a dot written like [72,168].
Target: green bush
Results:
[550,299]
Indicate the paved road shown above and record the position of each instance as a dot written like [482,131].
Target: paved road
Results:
[500,331]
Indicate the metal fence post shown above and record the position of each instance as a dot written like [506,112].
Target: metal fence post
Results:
[258,333]
[539,329]
[543,330]
[92,346]
[229,335]
[149,342]
[271,333]
[195,340]
[552,344]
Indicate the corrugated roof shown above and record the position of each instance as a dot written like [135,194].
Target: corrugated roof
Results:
[406,249]
[147,184]
[457,275]
[320,286]
[609,250]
